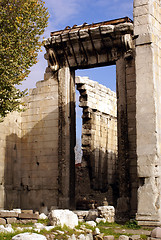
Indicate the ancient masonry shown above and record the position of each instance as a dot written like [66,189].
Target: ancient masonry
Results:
[99,140]
[29,156]
[37,146]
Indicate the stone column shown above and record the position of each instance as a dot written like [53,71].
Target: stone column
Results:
[126,119]
[147,29]
[66,137]
[123,203]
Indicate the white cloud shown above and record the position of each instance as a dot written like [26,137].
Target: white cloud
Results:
[61,14]
[62,10]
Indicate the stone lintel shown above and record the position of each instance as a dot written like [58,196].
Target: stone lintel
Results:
[90,47]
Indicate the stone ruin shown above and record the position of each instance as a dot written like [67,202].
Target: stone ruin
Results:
[37,146]
[96,175]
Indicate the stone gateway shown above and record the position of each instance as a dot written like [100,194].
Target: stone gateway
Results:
[37,146]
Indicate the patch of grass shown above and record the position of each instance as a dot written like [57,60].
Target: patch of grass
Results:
[79,225]
[43,221]
[132,224]
[7,236]
[89,226]
[29,224]
[109,228]
[143,236]
[107,224]
[109,231]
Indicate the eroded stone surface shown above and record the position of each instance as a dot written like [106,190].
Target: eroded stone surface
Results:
[63,217]
[107,212]
[99,141]
[29,236]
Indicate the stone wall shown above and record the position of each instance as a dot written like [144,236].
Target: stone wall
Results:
[99,139]
[10,146]
[29,150]
[147,29]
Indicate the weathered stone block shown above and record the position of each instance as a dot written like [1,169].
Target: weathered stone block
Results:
[109,237]
[8,214]
[123,237]
[63,217]
[27,211]
[156,233]
[107,212]
[28,216]
[2,221]
[11,220]
[25,221]
[135,237]
[92,215]
[29,236]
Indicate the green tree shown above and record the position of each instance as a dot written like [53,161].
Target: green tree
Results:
[22,22]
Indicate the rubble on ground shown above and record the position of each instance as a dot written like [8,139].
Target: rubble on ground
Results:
[88,230]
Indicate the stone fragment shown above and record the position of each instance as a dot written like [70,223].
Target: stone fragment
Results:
[2,221]
[98,220]
[98,237]
[44,210]
[150,238]
[42,216]
[96,231]
[48,228]
[63,217]
[6,213]
[29,236]
[135,237]
[89,236]
[24,221]
[92,215]
[107,212]
[28,216]
[109,237]
[7,229]
[81,214]
[39,225]
[18,210]
[37,230]
[91,223]
[27,211]
[85,237]
[72,237]
[2,229]
[156,232]
[19,229]
[11,220]
[60,232]
[105,203]
[123,237]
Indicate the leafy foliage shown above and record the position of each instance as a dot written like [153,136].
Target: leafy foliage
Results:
[22,22]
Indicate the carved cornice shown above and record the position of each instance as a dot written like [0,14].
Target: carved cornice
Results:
[88,46]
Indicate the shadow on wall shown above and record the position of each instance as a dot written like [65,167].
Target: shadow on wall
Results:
[31,163]
[96,179]
[32,171]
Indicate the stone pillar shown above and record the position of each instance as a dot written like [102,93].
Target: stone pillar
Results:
[147,29]
[123,204]
[126,119]
[66,137]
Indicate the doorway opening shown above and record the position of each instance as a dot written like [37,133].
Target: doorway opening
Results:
[96,173]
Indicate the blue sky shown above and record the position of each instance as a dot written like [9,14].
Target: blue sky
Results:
[69,12]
